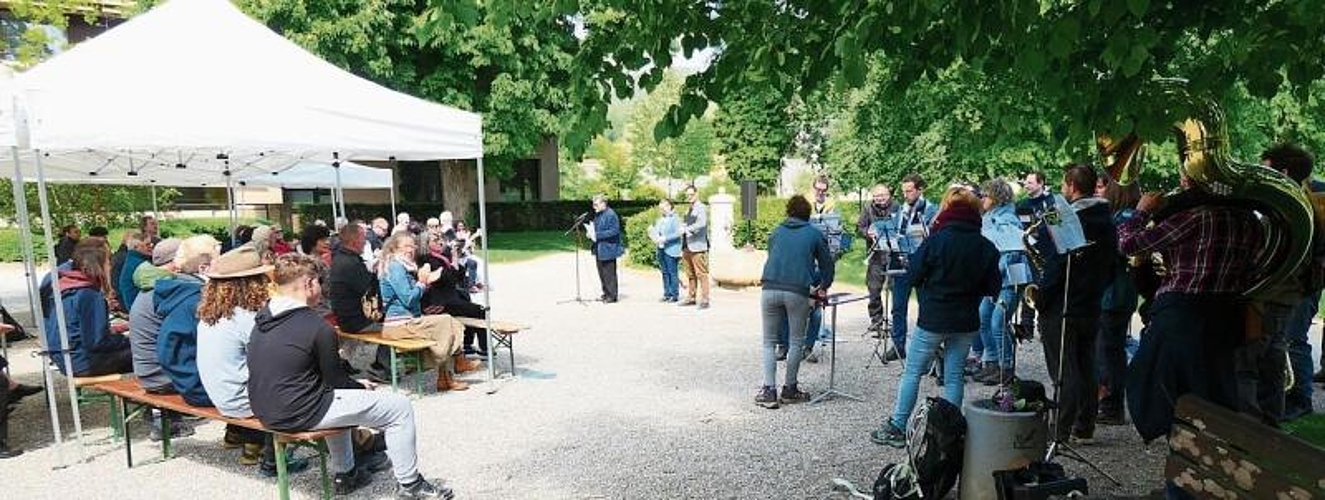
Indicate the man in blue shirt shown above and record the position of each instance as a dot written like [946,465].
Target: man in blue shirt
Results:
[605,232]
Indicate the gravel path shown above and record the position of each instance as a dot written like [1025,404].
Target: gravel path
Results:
[631,400]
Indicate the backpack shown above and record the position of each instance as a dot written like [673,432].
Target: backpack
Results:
[936,441]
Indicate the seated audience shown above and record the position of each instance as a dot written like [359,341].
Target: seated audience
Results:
[140,252]
[95,345]
[279,245]
[402,286]
[64,250]
[352,291]
[296,384]
[448,295]
[176,303]
[144,327]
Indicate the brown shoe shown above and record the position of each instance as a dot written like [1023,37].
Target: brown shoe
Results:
[447,382]
[464,364]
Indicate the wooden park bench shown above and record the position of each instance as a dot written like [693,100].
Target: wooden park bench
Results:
[1216,453]
[128,390]
[503,332]
[405,354]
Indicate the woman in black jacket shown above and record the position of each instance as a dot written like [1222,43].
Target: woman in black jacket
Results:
[450,294]
[953,270]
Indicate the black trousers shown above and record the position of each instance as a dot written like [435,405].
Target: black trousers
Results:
[607,276]
[107,363]
[1112,355]
[469,310]
[1260,367]
[1078,401]
[1187,348]
[875,278]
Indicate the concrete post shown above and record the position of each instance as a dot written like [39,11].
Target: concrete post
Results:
[722,217]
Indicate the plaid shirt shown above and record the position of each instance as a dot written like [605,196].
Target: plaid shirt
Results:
[1205,249]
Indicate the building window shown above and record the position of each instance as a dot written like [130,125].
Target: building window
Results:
[419,181]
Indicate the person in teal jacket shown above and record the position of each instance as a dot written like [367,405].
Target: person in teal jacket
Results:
[140,251]
[666,235]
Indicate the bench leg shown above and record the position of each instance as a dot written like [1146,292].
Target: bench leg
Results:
[395,363]
[322,453]
[510,349]
[282,473]
[416,358]
[166,431]
[116,421]
[123,411]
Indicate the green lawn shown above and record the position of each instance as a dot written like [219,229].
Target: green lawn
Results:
[1310,428]
[516,247]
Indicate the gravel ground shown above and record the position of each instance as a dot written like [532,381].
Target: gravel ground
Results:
[631,400]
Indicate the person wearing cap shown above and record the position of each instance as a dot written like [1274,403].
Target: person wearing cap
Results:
[144,329]
[296,384]
[236,289]
[176,303]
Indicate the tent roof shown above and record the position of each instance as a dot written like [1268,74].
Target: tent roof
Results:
[198,79]
[314,175]
[91,168]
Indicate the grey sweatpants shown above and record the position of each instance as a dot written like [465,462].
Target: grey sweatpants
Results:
[385,411]
[781,308]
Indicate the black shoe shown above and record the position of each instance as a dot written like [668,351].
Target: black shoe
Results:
[373,461]
[609,300]
[482,353]
[351,481]
[23,391]
[421,488]
[1295,412]
[782,352]
[889,435]
[293,465]
[988,374]
[1083,437]
[1111,417]
[379,373]
[767,397]
[893,354]
[792,395]
[808,355]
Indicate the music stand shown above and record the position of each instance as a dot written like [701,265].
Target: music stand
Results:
[833,301]
[579,242]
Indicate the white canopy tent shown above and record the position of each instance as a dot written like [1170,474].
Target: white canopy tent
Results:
[194,92]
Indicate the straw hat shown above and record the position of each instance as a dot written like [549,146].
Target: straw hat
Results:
[238,263]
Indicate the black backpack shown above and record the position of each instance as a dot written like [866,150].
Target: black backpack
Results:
[935,442]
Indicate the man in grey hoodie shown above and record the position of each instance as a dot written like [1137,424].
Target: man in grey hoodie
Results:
[145,327]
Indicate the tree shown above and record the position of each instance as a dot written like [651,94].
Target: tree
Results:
[1092,62]
[509,63]
[684,157]
[753,132]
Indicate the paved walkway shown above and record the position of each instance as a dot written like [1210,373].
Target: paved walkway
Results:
[631,400]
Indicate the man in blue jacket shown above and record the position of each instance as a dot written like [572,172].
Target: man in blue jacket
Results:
[140,251]
[607,248]
[176,302]
[913,220]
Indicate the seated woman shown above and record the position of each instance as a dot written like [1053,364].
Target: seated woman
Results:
[449,295]
[96,346]
[403,284]
[476,278]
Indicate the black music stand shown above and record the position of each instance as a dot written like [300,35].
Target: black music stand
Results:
[579,242]
[833,301]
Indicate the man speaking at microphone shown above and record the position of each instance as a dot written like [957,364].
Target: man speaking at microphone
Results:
[605,231]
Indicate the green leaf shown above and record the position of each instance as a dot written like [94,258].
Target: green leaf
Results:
[1138,8]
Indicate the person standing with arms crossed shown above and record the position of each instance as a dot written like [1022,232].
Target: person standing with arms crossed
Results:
[695,249]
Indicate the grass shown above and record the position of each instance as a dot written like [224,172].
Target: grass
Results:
[1310,428]
[522,246]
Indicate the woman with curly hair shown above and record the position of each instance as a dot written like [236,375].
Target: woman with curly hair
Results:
[237,288]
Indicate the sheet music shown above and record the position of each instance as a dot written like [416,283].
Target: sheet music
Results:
[589,231]
[1064,226]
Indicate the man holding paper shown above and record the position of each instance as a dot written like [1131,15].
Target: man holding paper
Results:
[913,220]
[605,231]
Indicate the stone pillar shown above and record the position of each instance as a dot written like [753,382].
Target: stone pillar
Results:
[721,219]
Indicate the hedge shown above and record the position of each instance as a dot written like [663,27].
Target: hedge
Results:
[502,216]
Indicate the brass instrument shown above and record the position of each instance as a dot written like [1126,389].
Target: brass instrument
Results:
[1202,139]
[1037,260]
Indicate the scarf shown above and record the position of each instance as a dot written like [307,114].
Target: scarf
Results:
[957,213]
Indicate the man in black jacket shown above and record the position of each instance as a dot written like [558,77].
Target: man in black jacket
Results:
[1070,327]
[296,384]
[349,283]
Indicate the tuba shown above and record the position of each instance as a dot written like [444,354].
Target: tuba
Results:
[1203,149]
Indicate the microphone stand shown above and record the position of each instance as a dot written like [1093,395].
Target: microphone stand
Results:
[579,241]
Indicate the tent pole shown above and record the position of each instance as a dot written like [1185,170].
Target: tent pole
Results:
[34,304]
[340,191]
[230,202]
[393,191]
[59,308]
[487,299]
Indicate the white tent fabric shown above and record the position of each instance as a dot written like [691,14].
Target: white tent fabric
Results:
[194,79]
[315,175]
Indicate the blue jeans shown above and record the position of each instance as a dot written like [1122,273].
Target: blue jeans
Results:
[813,329]
[671,281]
[1299,353]
[920,354]
[901,303]
[995,340]
[779,308]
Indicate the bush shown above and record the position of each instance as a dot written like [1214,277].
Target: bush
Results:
[771,212]
[512,216]
[642,250]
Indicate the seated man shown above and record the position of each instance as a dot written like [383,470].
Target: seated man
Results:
[296,384]
[140,252]
[176,304]
[350,285]
[144,328]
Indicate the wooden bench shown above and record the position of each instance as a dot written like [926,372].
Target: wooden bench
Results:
[129,390]
[405,353]
[1216,453]
[503,332]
